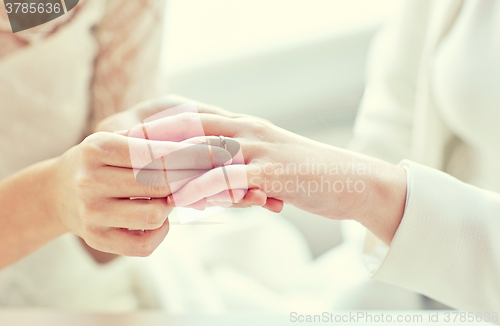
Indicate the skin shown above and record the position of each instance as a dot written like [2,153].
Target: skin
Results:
[69,194]
[127,122]
[268,148]
[86,191]
[73,193]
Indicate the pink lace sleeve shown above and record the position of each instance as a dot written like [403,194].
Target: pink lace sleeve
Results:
[127,65]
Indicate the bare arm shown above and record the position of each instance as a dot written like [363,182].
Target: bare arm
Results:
[27,222]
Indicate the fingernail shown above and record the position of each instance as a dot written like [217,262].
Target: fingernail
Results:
[170,200]
[122,132]
[222,158]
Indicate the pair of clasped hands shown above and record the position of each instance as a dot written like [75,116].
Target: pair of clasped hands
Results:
[116,189]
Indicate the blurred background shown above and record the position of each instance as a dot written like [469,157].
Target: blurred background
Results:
[299,64]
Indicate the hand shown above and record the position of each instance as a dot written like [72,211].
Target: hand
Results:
[128,120]
[94,181]
[315,177]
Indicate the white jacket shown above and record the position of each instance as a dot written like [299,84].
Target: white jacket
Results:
[448,243]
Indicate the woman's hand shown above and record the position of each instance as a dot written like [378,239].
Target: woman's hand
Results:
[315,177]
[94,181]
[126,120]
[130,119]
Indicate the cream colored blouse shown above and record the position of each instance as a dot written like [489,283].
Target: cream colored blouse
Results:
[432,98]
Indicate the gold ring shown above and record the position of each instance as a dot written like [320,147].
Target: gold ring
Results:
[211,155]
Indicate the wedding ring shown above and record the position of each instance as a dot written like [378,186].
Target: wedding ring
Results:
[223,143]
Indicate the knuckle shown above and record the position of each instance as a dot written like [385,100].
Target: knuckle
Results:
[258,127]
[89,149]
[96,139]
[88,213]
[91,236]
[83,182]
[91,241]
[255,127]
[188,117]
[94,144]
[156,217]
[155,191]
[146,247]
[146,243]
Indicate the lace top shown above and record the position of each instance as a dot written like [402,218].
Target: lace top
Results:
[128,37]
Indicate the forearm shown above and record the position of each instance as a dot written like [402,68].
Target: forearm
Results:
[342,184]
[27,223]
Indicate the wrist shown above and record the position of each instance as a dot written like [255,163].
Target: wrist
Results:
[50,197]
[385,202]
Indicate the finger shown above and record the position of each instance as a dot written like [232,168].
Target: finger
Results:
[254,197]
[231,145]
[223,199]
[183,126]
[165,105]
[225,196]
[137,214]
[115,150]
[211,183]
[127,243]
[211,109]
[274,205]
[124,183]
[200,205]
[174,104]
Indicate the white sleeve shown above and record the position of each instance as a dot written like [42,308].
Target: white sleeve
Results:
[448,243]
[384,123]
[447,246]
